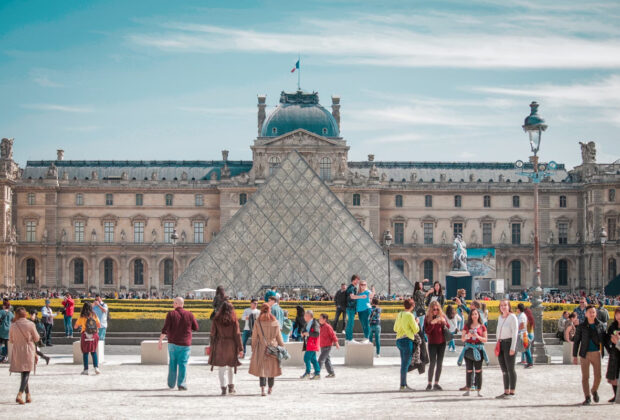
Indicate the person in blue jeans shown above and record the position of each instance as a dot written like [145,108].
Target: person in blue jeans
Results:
[363,307]
[375,325]
[405,328]
[178,328]
[351,306]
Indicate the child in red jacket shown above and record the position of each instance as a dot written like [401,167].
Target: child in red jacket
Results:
[327,339]
[310,334]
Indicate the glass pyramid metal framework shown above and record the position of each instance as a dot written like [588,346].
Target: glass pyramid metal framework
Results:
[293,233]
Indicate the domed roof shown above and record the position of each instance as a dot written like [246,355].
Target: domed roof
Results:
[300,110]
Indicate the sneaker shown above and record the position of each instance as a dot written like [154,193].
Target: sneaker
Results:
[466,393]
[377,356]
[464,389]
[479,394]
[405,389]
[529,365]
[595,396]
[97,371]
[502,396]
[305,376]
[85,372]
[436,387]
[365,341]
[182,388]
[429,387]
[331,375]
[343,332]
[587,401]
[316,376]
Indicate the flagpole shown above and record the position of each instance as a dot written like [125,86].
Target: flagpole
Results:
[299,72]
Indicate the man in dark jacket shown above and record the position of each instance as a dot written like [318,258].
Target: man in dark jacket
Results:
[351,306]
[341,306]
[588,344]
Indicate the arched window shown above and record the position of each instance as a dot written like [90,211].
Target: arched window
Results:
[168,267]
[611,269]
[243,198]
[326,169]
[78,271]
[108,271]
[400,264]
[356,199]
[428,270]
[274,162]
[563,273]
[138,272]
[31,270]
[515,269]
[398,200]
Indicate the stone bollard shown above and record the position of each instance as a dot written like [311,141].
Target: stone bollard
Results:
[78,357]
[567,353]
[295,352]
[151,355]
[358,354]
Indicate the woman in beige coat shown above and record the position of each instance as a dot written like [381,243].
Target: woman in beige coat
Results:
[23,336]
[266,332]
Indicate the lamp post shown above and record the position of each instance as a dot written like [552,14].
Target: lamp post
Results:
[173,238]
[387,242]
[603,237]
[534,126]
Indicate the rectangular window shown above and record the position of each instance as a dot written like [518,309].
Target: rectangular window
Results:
[399,233]
[428,233]
[31,199]
[199,232]
[458,201]
[515,201]
[562,201]
[79,200]
[139,199]
[31,231]
[458,229]
[356,200]
[516,233]
[428,201]
[79,231]
[487,233]
[168,229]
[199,200]
[138,232]
[109,199]
[487,201]
[611,229]
[168,200]
[108,232]
[563,233]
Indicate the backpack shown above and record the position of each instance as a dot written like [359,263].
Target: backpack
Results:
[375,316]
[91,326]
[287,326]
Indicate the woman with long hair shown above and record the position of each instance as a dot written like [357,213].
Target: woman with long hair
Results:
[418,298]
[611,341]
[266,332]
[474,336]
[454,320]
[529,329]
[299,324]
[23,336]
[226,347]
[89,338]
[405,328]
[571,327]
[507,332]
[435,294]
[218,299]
[434,323]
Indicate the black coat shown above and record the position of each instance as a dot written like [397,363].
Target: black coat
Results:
[613,366]
[341,299]
[583,335]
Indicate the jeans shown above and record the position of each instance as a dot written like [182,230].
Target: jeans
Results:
[68,325]
[375,332]
[339,311]
[507,364]
[310,360]
[325,359]
[284,338]
[405,346]
[528,352]
[435,355]
[451,345]
[472,365]
[222,371]
[592,358]
[48,334]
[421,322]
[95,360]
[245,335]
[4,348]
[264,381]
[350,322]
[179,356]
[102,333]
[363,317]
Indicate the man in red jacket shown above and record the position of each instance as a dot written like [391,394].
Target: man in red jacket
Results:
[327,339]
[311,335]
[69,307]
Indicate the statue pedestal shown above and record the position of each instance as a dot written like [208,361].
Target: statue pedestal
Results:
[459,280]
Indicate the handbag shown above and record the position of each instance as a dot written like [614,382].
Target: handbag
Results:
[208,351]
[277,352]
[447,334]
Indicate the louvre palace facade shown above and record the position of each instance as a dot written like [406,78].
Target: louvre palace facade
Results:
[108,225]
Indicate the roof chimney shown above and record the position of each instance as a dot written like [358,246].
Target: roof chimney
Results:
[261,112]
[60,154]
[336,109]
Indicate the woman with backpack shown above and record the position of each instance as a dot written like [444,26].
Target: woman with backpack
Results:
[41,331]
[89,339]
[23,336]
[375,325]
[226,347]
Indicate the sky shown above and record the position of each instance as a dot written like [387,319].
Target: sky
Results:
[433,80]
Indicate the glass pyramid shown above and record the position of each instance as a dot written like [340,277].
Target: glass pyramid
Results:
[292,233]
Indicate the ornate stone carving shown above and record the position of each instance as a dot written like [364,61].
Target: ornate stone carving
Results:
[444,238]
[153,176]
[94,175]
[414,176]
[6,148]
[124,176]
[588,152]
[123,236]
[154,236]
[459,255]
[93,236]
[474,238]
[52,171]
[342,166]
[225,173]
[502,237]
[383,177]
[550,239]
[184,176]
[414,237]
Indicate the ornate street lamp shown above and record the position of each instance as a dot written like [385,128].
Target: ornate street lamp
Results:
[173,238]
[534,126]
[603,238]
[387,242]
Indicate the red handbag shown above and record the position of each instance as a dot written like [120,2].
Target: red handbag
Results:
[208,351]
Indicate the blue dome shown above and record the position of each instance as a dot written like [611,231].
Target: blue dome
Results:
[300,110]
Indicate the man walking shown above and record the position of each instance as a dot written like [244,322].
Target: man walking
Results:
[340,299]
[178,328]
[250,315]
[101,310]
[602,314]
[48,321]
[587,343]
[351,306]
[581,310]
[69,306]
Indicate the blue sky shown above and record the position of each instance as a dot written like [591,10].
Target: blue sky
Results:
[419,80]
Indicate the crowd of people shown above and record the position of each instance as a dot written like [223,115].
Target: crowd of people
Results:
[423,333]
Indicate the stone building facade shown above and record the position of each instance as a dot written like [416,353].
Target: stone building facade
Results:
[107,225]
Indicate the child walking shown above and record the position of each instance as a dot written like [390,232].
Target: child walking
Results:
[310,334]
[327,340]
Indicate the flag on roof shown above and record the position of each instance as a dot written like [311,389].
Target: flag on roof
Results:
[296,67]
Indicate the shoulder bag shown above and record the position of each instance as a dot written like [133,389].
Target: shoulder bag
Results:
[277,352]
[497,345]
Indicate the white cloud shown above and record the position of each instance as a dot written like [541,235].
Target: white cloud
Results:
[45,82]
[56,107]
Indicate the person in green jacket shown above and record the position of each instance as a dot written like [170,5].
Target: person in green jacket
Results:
[405,327]
[6,317]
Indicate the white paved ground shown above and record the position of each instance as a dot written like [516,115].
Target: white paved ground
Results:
[125,389]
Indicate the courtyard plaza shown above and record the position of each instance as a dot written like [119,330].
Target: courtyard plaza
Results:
[126,389]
